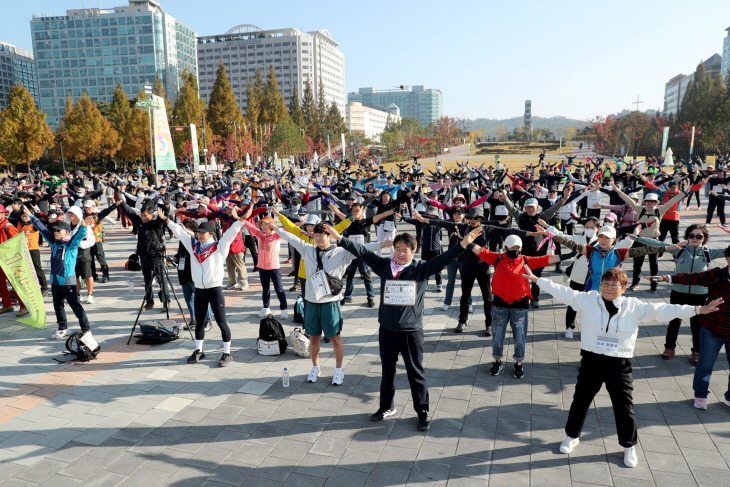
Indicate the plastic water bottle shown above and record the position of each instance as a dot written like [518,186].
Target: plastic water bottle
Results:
[285,377]
[130,288]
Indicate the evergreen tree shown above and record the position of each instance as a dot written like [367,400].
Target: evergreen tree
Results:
[309,111]
[295,110]
[254,96]
[286,139]
[274,104]
[187,110]
[321,110]
[222,106]
[160,90]
[696,102]
[334,123]
[24,132]
[717,96]
[119,110]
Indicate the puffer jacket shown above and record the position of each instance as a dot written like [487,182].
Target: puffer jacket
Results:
[623,326]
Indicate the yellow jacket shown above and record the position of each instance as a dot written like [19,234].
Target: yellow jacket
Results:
[298,232]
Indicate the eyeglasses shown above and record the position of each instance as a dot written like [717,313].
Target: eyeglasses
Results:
[611,284]
[696,235]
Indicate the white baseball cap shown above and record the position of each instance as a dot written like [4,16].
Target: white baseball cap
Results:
[651,197]
[608,231]
[512,241]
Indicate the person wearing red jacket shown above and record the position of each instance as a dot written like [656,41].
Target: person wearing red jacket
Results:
[7,231]
[511,297]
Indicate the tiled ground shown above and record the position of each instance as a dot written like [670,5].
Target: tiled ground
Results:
[142,416]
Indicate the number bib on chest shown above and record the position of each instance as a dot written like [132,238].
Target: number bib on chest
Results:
[607,344]
[388,226]
[399,293]
[358,238]
[181,264]
[321,285]
[500,210]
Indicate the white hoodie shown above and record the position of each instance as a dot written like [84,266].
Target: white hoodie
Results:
[597,329]
[207,265]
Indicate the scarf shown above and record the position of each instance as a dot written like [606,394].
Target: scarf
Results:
[396,268]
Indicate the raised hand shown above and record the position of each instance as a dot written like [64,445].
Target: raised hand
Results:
[711,307]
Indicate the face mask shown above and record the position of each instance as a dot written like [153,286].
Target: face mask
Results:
[589,233]
[295,208]
[513,254]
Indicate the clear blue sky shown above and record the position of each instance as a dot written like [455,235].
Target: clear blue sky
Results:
[573,58]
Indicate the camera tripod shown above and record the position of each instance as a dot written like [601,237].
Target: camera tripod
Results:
[161,275]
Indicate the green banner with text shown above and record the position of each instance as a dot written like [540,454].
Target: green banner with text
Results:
[18,267]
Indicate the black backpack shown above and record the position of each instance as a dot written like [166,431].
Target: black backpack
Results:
[133,263]
[270,330]
[76,347]
[155,333]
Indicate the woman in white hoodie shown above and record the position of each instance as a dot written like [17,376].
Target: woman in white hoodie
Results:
[609,327]
[207,270]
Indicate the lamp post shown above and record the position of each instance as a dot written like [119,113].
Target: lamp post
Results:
[60,143]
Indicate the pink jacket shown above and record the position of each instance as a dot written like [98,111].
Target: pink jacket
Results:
[269,246]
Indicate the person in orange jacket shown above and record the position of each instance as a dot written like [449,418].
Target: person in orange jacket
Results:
[32,235]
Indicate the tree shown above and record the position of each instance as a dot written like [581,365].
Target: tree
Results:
[104,107]
[222,106]
[334,124]
[286,139]
[632,128]
[274,106]
[88,133]
[187,110]
[24,132]
[309,110]
[501,132]
[717,134]
[321,109]
[695,106]
[254,97]
[295,110]
[159,89]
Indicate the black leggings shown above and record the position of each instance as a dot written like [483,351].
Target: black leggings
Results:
[214,297]
[696,194]
[570,313]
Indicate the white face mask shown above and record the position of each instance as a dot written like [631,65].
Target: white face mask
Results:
[589,233]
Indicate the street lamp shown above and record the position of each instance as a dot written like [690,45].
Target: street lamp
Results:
[60,143]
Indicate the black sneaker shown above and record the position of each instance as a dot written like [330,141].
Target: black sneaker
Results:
[535,304]
[519,371]
[347,299]
[381,414]
[634,286]
[496,368]
[196,357]
[488,331]
[371,303]
[149,305]
[208,325]
[423,422]
[295,287]
[45,293]
[225,360]
[558,269]
[104,280]
[653,287]
[460,327]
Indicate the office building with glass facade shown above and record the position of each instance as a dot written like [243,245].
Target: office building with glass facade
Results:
[425,105]
[16,66]
[92,49]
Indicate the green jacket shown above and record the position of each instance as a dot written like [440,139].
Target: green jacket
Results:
[693,259]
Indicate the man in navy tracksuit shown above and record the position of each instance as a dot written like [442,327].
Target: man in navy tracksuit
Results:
[64,250]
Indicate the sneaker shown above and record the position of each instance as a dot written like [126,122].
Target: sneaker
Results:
[264,312]
[347,299]
[558,269]
[381,414]
[244,286]
[568,444]
[460,327]
[634,286]
[496,368]
[149,305]
[208,325]
[519,371]
[45,293]
[59,334]
[22,312]
[535,304]
[327,339]
[90,299]
[196,357]
[630,459]
[284,314]
[488,331]
[314,374]
[471,308]
[445,307]
[423,422]
[701,403]
[695,358]
[668,353]
[226,359]
[105,279]
[653,288]
[6,309]
[339,377]
[255,269]
[569,333]
[439,289]
[371,303]
[230,286]
[295,287]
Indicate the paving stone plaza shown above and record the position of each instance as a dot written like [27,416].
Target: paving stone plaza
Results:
[141,416]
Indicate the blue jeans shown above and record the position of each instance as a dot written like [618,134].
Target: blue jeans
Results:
[710,347]
[358,264]
[189,295]
[451,269]
[518,320]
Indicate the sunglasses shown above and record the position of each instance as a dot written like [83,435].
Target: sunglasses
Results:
[475,218]
[696,235]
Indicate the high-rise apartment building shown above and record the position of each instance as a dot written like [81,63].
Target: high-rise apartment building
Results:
[425,105]
[296,56]
[92,49]
[16,66]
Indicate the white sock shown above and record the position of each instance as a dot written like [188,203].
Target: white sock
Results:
[338,368]
[199,345]
[227,347]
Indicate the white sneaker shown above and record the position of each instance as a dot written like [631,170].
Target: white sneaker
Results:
[89,299]
[284,314]
[264,312]
[471,308]
[445,307]
[59,334]
[230,286]
[568,444]
[569,333]
[244,286]
[630,459]
[237,286]
[339,377]
[314,374]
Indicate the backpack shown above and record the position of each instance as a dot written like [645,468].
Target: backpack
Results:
[133,263]
[156,333]
[705,251]
[643,212]
[272,340]
[299,310]
[83,346]
[299,342]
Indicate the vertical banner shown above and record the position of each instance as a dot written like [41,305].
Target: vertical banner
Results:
[344,147]
[16,262]
[329,148]
[164,151]
[194,140]
[665,141]
[692,142]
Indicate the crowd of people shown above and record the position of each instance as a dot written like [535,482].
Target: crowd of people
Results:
[497,227]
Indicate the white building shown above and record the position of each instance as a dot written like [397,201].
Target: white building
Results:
[296,56]
[369,121]
[16,66]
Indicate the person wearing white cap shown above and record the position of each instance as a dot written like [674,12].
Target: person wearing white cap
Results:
[83,259]
[511,297]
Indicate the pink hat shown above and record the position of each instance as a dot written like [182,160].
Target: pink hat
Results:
[610,216]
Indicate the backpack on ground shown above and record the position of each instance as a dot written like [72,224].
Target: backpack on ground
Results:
[299,342]
[158,332]
[133,263]
[83,346]
[299,310]
[272,340]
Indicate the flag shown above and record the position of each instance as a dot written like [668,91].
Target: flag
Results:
[164,151]
[15,260]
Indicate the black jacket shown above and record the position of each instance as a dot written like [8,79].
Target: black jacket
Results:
[150,233]
[402,318]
